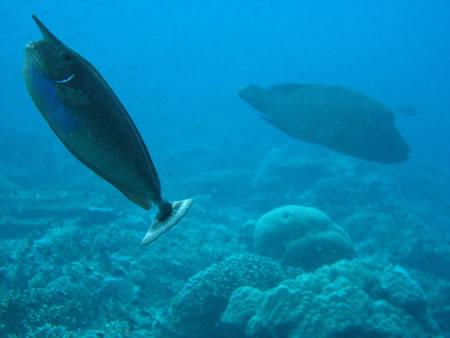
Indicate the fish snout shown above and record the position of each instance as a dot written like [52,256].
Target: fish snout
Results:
[246,92]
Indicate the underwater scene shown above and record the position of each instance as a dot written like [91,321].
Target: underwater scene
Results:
[203,169]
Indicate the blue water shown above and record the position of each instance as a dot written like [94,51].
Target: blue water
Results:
[70,259]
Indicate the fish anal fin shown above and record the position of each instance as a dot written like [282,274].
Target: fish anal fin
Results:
[131,195]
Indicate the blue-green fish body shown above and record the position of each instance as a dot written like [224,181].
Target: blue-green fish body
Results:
[332,116]
[88,118]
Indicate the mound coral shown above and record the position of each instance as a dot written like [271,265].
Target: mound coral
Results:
[204,297]
[347,299]
[301,236]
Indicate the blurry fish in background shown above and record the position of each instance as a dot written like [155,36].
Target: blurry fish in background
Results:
[407,110]
[88,118]
[332,116]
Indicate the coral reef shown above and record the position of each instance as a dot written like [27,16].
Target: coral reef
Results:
[277,167]
[347,299]
[196,308]
[301,236]
[427,254]
[71,266]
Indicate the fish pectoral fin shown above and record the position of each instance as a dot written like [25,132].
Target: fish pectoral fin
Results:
[268,118]
[71,97]
[160,226]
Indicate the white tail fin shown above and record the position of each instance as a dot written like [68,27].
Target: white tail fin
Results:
[158,227]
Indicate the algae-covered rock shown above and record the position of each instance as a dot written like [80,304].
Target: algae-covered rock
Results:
[301,236]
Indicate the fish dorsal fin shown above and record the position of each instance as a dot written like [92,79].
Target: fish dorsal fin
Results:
[49,36]
[287,88]
[71,97]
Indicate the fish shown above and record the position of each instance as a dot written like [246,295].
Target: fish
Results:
[335,117]
[91,122]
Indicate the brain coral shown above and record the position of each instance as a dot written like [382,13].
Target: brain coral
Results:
[347,299]
[204,297]
[301,236]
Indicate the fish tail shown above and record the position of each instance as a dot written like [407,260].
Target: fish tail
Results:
[169,215]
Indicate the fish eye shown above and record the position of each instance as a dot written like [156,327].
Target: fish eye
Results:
[67,56]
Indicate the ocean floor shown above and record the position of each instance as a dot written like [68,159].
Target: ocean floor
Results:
[283,243]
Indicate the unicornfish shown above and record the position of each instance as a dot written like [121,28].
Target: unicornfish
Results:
[91,122]
[336,117]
